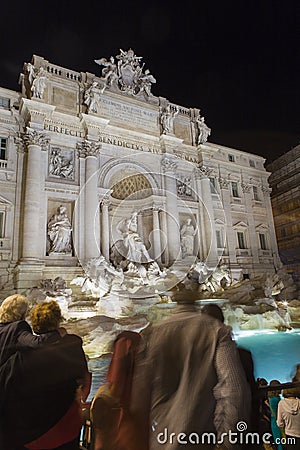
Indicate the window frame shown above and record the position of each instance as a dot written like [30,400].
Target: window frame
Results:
[3,148]
[241,239]
[235,189]
[263,242]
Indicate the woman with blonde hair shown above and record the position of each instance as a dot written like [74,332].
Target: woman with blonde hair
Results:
[15,333]
[16,340]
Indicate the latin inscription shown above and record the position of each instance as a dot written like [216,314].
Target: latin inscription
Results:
[62,130]
[129,114]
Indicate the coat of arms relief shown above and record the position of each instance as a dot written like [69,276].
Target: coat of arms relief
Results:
[125,72]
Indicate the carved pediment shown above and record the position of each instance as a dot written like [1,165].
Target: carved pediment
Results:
[262,227]
[4,203]
[240,225]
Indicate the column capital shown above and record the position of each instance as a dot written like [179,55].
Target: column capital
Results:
[88,148]
[32,137]
[202,172]
[168,165]
[224,183]
[266,190]
[246,187]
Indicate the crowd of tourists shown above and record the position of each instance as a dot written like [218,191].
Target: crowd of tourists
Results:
[180,384]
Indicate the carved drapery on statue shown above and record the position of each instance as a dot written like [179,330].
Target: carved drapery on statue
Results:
[167,117]
[202,131]
[187,235]
[130,246]
[35,80]
[61,163]
[127,75]
[92,97]
[59,231]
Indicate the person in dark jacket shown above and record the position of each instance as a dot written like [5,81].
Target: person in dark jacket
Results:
[42,402]
[15,333]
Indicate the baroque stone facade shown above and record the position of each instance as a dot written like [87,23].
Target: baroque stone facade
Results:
[82,152]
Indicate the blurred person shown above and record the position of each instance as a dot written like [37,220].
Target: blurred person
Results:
[273,400]
[296,377]
[288,417]
[190,382]
[43,401]
[245,355]
[112,424]
[264,416]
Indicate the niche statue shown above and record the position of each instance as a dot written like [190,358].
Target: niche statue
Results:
[59,233]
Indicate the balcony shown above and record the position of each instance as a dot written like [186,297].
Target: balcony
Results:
[243,252]
[5,249]
[3,164]
[264,252]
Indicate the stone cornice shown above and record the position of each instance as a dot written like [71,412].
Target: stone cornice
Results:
[35,112]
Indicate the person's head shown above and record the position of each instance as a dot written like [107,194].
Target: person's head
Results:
[297,374]
[13,308]
[262,382]
[182,295]
[46,317]
[274,393]
[292,392]
[213,310]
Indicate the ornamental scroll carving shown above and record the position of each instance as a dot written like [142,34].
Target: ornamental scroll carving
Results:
[266,190]
[246,187]
[224,183]
[184,186]
[205,171]
[88,148]
[33,137]
[168,165]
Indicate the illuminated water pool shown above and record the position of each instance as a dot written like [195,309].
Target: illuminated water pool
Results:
[275,355]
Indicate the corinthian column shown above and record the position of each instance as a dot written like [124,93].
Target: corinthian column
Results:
[156,235]
[35,142]
[105,228]
[173,227]
[90,150]
[208,229]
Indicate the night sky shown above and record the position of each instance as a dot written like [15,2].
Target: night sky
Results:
[238,61]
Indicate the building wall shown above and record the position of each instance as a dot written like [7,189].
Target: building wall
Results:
[60,151]
[285,197]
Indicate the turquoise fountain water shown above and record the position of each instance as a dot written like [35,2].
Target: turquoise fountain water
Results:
[275,354]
